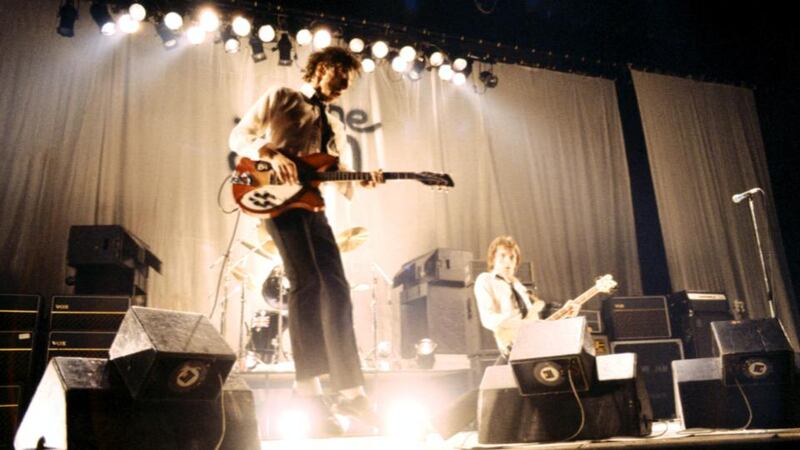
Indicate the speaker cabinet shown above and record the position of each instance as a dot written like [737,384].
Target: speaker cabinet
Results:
[170,355]
[19,312]
[655,368]
[436,312]
[88,312]
[16,357]
[616,407]
[691,314]
[704,401]
[753,352]
[631,318]
[85,344]
[10,399]
[547,353]
[81,403]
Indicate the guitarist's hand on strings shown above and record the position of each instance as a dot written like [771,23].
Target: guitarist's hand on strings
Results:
[375,178]
[285,169]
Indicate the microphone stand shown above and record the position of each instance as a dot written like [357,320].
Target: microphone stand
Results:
[764,271]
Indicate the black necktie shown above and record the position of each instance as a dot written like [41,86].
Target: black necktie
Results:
[523,308]
[325,131]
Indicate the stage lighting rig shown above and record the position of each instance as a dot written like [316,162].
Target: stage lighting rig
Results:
[169,38]
[257,47]
[488,79]
[67,15]
[285,50]
[99,12]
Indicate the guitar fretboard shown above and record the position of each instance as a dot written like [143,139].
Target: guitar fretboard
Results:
[356,176]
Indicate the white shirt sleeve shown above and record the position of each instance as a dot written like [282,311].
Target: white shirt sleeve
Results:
[247,137]
[492,316]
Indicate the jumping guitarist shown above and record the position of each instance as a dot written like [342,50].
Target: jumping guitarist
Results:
[283,125]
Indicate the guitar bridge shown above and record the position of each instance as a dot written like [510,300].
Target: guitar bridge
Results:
[243,179]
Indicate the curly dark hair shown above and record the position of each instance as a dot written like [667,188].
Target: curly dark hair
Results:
[331,56]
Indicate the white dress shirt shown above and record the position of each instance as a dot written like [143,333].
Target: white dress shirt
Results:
[498,308]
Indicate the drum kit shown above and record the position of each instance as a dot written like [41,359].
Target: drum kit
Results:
[269,339]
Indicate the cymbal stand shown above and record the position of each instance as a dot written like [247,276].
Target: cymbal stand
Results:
[279,355]
[376,270]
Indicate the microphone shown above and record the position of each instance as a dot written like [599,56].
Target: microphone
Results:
[737,198]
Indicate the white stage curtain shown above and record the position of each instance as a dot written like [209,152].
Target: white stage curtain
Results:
[704,144]
[118,130]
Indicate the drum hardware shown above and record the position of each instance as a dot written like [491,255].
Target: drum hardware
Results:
[378,354]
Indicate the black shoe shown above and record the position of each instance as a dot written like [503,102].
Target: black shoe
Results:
[322,421]
[359,408]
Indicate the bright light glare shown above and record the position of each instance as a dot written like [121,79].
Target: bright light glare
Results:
[408,53]
[209,20]
[108,29]
[232,45]
[195,35]
[437,58]
[303,37]
[241,26]
[127,24]
[399,64]
[356,45]
[446,72]
[407,418]
[173,21]
[138,12]
[380,49]
[266,33]
[460,64]
[459,79]
[322,38]
[294,424]
[368,65]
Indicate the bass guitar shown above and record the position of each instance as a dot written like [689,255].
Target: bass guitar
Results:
[258,193]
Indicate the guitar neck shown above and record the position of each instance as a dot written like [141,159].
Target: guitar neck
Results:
[359,176]
[577,302]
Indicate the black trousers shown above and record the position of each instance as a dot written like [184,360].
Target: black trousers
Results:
[320,310]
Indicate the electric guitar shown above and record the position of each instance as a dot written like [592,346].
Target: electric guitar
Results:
[603,285]
[258,193]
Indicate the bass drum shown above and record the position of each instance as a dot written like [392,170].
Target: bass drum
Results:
[263,329]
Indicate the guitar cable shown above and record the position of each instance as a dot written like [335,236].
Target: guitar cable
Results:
[580,407]
[227,254]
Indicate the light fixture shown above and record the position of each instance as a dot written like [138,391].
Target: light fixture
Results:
[173,21]
[417,67]
[137,12]
[399,64]
[408,53]
[241,26]
[426,353]
[196,35]
[356,45]
[169,38]
[322,38]
[436,58]
[284,50]
[368,65]
[257,47]
[488,79]
[266,33]
[459,64]
[101,16]
[380,49]
[229,40]
[459,78]
[67,15]
[446,72]
[209,20]
[127,24]
[304,37]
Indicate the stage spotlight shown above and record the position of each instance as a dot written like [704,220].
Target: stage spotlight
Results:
[209,20]
[399,64]
[436,59]
[266,33]
[101,16]
[406,418]
[380,49]
[459,64]
[426,353]
[241,26]
[322,38]
[417,67]
[408,53]
[284,50]
[231,43]
[196,35]
[356,45]
[368,65]
[446,72]
[67,15]
[128,24]
[169,38]
[488,79]
[137,12]
[257,47]
[459,78]
[173,21]
[304,37]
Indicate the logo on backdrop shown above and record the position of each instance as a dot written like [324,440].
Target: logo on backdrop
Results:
[356,121]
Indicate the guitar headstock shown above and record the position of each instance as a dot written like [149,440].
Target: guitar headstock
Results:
[605,284]
[439,181]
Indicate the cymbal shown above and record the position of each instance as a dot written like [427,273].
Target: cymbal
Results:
[352,238]
[267,244]
[266,250]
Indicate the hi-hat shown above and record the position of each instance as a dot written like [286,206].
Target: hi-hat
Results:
[352,238]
